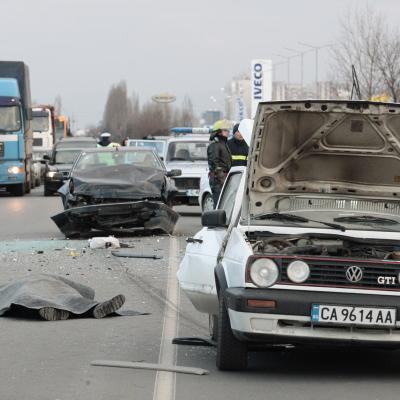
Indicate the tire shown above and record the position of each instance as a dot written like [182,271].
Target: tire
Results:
[231,353]
[47,191]
[208,203]
[18,190]
[37,182]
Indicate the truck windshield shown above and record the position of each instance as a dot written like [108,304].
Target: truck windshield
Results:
[10,120]
[40,124]
[187,151]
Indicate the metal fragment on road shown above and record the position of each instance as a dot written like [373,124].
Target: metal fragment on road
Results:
[130,254]
[150,367]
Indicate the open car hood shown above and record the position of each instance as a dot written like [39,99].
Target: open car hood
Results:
[349,149]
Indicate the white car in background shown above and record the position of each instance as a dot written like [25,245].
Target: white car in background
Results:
[189,154]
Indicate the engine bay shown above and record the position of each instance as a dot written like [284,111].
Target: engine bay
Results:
[324,246]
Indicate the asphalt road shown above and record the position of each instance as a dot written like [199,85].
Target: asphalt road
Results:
[51,360]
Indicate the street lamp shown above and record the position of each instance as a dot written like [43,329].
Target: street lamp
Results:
[316,49]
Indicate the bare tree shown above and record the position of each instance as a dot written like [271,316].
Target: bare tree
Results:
[359,44]
[389,63]
[117,111]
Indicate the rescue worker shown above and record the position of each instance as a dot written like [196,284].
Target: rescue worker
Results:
[105,140]
[219,158]
[238,147]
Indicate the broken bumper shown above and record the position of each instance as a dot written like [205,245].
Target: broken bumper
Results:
[116,217]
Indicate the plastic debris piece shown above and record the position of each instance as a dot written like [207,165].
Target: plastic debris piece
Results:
[151,367]
[104,242]
[194,341]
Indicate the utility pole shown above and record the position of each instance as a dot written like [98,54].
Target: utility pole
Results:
[287,58]
[316,49]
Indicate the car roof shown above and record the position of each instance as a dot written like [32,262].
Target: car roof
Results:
[130,149]
[78,139]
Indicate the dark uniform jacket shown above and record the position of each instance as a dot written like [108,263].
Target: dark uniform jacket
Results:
[239,150]
[219,155]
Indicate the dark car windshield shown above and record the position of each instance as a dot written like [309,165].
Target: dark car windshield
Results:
[10,120]
[40,124]
[187,151]
[66,156]
[117,158]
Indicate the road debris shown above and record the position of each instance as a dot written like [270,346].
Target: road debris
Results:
[104,242]
[150,367]
[194,341]
[130,254]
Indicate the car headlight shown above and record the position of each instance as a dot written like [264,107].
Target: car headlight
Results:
[264,272]
[298,271]
[51,174]
[15,170]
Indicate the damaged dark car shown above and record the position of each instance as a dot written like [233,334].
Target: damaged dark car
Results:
[118,190]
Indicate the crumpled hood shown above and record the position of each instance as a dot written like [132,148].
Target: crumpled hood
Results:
[123,181]
[335,148]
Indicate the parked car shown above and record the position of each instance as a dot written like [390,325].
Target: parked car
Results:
[157,145]
[76,143]
[303,247]
[57,169]
[117,189]
[189,154]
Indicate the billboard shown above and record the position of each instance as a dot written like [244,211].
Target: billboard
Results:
[261,83]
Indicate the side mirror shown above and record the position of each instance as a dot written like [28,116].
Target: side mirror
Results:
[214,219]
[174,172]
[46,157]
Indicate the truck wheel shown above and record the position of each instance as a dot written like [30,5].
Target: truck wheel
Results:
[208,203]
[231,353]
[18,190]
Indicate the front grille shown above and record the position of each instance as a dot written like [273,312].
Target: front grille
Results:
[332,272]
[187,183]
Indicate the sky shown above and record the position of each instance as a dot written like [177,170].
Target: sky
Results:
[78,48]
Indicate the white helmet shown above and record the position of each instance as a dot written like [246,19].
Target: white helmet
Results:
[105,134]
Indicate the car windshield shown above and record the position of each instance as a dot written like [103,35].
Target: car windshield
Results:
[76,144]
[117,158]
[156,145]
[10,120]
[187,151]
[66,156]
[40,124]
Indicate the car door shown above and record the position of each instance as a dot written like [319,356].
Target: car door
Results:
[196,271]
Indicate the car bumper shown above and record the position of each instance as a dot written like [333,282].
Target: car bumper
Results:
[290,321]
[53,185]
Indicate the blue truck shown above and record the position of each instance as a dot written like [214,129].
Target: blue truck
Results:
[15,133]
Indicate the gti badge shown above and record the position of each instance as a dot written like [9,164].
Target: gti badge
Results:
[354,274]
[386,280]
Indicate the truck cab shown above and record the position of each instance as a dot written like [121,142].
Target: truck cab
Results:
[43,128]
[15,133]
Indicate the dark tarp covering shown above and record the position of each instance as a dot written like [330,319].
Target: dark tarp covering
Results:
[38,291]
[120,181]
[116,217]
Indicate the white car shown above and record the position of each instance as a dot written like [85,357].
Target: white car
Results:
[189,154]
[304,246]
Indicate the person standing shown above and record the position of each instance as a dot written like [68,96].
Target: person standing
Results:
[239,148]
[219,158]
[105,141]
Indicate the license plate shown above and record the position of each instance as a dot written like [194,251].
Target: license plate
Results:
[349,315]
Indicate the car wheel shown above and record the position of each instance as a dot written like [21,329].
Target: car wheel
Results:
[208,203]
[231,353]
[47,192]
[37,182]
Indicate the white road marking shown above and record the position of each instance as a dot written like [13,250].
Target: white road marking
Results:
[164,387]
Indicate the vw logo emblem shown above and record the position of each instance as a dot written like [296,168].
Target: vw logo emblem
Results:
[354,274]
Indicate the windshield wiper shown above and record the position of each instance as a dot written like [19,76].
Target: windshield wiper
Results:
[366,219]
[296,218]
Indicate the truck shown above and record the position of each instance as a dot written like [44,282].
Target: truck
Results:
[62,127]
[16,138]
[43,128]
